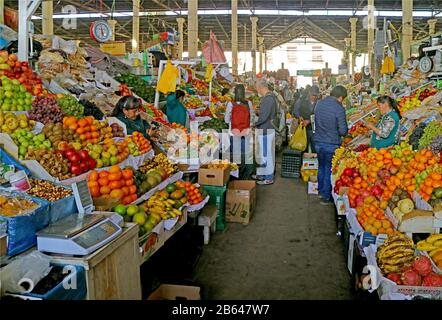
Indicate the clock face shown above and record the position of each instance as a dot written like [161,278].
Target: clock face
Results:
[101,31]
[425,64]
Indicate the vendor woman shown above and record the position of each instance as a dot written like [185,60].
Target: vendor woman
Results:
[386,132]
[175,110]
[127,111]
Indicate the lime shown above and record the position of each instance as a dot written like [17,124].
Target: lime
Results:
[120,209]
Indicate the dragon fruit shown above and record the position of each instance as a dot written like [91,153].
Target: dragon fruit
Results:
[411,278]
[422,265]
[395,277]
[432,280]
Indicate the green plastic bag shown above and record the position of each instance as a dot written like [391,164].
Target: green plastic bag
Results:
[299,139]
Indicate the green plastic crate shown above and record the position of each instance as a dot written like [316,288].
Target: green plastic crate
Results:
[218,198]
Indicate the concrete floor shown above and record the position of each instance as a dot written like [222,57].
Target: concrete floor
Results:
[289,251]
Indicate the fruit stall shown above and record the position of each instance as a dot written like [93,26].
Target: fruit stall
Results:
[64,155]
[390,200]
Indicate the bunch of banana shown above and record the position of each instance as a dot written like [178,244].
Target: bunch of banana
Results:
[396,253]
[160,160]
[162,207]
[338,155]
[433,244]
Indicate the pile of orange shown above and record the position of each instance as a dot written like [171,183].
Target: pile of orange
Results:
[89,129]
[433,181]
[372,218]
[422,160]
[193,193]
[142,143]
[115,183]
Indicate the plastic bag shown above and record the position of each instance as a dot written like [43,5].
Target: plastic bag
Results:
[23,274]
[299,139]
[167,82]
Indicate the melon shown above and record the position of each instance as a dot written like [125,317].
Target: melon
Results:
[406,205]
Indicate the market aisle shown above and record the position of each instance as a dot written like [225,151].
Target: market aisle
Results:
[289,251]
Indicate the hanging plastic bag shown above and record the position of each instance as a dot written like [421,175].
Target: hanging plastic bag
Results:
[299,139]
[167,82]
[213,51]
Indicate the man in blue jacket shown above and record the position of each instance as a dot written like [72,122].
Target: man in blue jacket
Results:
[330,126]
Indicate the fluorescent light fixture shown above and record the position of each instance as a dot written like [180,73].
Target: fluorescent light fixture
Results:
[383,13]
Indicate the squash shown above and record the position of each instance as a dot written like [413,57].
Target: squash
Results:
[406,205]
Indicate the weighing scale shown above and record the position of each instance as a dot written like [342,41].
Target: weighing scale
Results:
[83,233]
[100,31]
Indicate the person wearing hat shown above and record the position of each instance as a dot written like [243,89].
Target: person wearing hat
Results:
[127,111]
[304,109]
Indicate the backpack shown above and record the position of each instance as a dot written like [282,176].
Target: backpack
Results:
[240,117]
[278,122]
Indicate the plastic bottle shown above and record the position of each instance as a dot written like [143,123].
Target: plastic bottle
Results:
[20,181]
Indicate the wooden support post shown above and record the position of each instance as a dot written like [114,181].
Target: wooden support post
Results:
[192,28]
[235,37]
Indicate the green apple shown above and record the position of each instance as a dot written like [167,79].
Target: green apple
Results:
[94,155]
[105,155]
[41,137]
[113,160]
[99,163]
[47,144]
[105,162]
[76,146]
[22,150]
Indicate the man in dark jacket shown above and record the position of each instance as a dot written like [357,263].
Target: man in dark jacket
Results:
[267,114]
[330,126]
[304,109]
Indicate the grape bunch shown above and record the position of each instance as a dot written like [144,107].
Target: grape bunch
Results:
[416,135]
[90,109]
[70,106]
[433,130]
[45,110]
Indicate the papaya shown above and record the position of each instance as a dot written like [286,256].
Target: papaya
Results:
[176,195]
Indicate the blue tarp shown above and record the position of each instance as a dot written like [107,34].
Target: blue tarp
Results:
[22,229]
[5,158]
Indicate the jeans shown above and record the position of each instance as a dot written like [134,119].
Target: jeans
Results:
[325,153]
[265,152]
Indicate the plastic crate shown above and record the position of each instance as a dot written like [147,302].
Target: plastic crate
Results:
[78,291]
[291,164]
[218,198]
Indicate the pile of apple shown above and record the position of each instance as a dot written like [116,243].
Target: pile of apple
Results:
[14,69]
[13,95]
[79,161]
[108,154]
[26,141]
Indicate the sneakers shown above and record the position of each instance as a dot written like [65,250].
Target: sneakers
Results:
[326,203]
[255,177]
[264,182]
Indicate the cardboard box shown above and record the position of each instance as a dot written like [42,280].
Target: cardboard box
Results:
[310,161]
[240,201]
[176,292]
[213,177]
[312,187]
[3,245]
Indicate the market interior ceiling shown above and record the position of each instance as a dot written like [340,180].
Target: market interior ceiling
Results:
[276,27]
